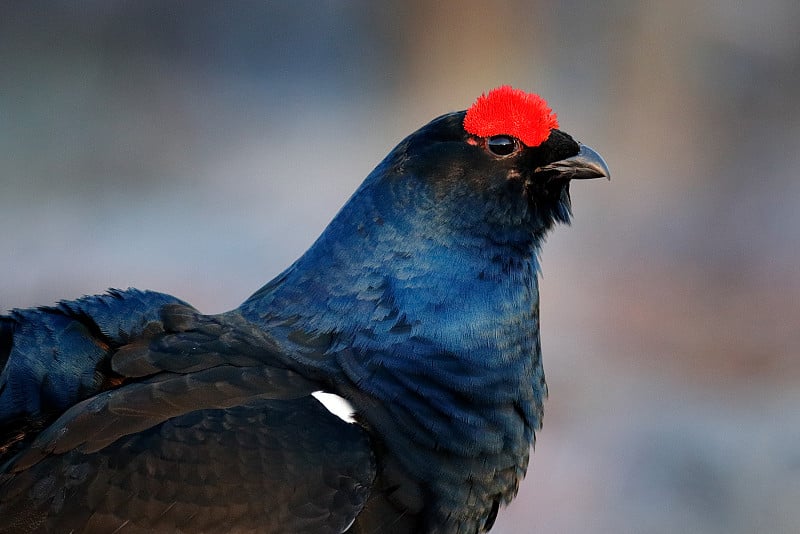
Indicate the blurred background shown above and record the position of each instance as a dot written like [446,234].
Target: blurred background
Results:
[198,148]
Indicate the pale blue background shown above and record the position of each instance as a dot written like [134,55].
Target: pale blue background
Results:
[198,147]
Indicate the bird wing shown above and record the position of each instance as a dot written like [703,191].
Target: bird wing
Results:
[265,466]
[197,425]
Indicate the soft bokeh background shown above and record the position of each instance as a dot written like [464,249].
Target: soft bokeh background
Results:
[197,148]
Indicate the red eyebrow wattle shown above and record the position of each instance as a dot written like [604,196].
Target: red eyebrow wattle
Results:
[509,111]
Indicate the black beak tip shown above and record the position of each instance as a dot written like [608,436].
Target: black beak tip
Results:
[591,164]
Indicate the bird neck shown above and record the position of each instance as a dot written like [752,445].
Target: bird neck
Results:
[391,249]
[434,338]
[403,277]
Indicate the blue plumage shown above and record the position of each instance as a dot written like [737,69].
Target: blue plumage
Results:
[418,304]
[43,376]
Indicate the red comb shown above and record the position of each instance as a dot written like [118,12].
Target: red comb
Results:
[509,111]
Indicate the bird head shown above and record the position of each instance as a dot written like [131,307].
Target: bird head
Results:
[501,167]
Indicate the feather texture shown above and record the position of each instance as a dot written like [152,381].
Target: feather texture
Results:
[133,412]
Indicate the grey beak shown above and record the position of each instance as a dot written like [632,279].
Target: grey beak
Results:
[585,164]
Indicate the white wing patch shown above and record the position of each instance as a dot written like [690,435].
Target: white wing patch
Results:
[337,405]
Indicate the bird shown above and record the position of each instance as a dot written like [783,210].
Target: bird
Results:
[417,308]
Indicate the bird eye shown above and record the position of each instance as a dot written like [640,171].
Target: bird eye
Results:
[502,145]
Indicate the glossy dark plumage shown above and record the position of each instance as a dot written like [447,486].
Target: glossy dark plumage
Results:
[132,412]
